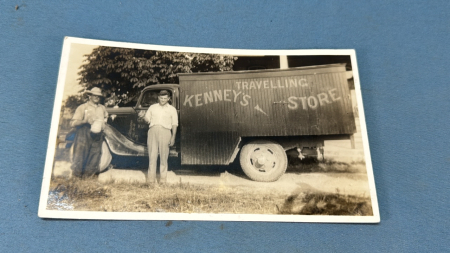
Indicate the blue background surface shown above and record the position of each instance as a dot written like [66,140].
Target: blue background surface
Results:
[403,56]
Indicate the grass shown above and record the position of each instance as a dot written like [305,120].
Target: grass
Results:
[327,204]
[91,195]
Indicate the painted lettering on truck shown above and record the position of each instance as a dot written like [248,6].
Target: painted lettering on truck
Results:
[236,96]
[313,102]
[270,84]
[216,96]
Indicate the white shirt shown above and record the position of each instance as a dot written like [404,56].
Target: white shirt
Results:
[165,116]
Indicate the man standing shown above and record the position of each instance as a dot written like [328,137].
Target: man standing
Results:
[89,119]
[163,121]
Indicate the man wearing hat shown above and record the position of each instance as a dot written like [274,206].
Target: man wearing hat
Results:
[163,121]
[89,119]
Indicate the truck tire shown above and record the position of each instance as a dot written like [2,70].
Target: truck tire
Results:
[263,160]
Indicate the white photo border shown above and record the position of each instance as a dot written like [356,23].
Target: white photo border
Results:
[67,214]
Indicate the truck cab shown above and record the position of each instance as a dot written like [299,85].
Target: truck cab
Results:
[126,131]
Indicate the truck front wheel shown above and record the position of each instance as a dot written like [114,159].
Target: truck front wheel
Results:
[263,160]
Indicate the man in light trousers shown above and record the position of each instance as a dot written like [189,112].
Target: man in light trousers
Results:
[163,122]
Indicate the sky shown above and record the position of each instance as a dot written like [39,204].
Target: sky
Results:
[76,58]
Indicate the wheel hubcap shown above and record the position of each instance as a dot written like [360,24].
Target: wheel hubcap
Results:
[263,160]
[260,161]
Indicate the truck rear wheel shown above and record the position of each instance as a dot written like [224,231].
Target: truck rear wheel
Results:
[263,160]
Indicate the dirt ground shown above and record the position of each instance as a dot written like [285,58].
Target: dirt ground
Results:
[300,176]
[344,183]
[316,177]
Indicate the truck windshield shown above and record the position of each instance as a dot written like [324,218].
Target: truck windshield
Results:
[151,97]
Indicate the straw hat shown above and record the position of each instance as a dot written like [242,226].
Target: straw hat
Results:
[95,91]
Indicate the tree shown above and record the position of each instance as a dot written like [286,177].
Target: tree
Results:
[72,102]
[123,72]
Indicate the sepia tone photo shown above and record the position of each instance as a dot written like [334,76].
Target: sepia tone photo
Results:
[147,132]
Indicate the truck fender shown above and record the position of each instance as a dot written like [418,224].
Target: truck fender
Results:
[121,145]
[236,151]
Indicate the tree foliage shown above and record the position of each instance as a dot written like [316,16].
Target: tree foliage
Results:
[123,72]
[74,101]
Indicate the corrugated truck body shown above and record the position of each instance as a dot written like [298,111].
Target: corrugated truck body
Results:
[217,110]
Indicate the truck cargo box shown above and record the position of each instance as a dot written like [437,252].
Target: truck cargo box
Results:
[217,109]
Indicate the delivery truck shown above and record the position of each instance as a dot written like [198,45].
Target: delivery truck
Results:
[253,116]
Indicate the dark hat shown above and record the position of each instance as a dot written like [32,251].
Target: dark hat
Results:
[164,93]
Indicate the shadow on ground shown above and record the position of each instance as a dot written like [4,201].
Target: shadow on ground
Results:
[326,166]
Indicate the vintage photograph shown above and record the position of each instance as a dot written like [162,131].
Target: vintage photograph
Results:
[148,132]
